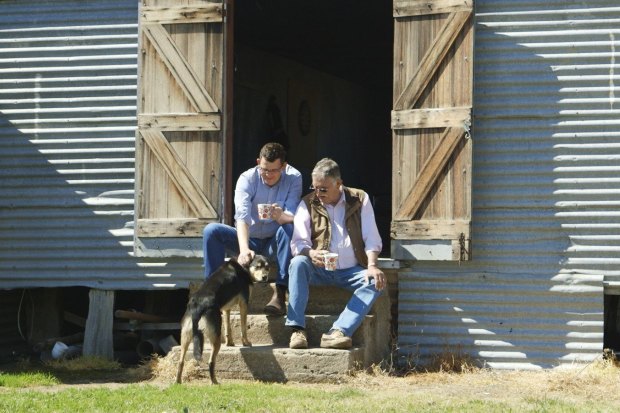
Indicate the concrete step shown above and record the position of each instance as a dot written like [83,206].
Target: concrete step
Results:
[373,335]
[325,303]
[273,363]
[271,330]
[322,300]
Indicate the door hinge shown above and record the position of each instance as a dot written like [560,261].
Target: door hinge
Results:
[464,251]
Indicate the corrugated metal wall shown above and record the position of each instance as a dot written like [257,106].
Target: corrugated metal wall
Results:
[67,123]
[545,191]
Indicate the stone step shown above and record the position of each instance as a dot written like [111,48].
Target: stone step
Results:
[322,300]
[275,364]
[271,330]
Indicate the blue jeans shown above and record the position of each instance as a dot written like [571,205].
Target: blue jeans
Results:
[303,274]
[219,239]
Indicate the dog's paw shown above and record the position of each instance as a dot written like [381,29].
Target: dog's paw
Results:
[230,343]
[247,343]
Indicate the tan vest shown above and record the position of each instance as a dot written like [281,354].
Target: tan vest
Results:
[321,234]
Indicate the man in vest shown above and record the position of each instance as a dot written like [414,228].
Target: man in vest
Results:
[334,219]
[275,183]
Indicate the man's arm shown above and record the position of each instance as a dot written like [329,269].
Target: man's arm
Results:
[372,244]
[243,205]
[243,237]
[374,271]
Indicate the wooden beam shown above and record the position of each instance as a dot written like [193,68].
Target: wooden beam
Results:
[171,227]
[176,63]
[99,324]
[212,13]
[430,229]
[180,121]
[431,118]
[429,173]
[432,59]
[178,173]
[408,8]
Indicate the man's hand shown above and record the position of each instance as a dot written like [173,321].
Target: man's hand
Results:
[278,215]
[276,212]
[245,257]
[317,257]
[374,272]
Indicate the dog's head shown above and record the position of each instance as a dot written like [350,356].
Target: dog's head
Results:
[259,268]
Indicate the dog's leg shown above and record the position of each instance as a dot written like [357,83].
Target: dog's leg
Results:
[198,336]
[228,329]
[186,337]
[214,331]
[215,344]
[243,315]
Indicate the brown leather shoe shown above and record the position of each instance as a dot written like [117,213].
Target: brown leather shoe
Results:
[277,306]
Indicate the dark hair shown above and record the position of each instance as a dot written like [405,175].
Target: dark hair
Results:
[272,151]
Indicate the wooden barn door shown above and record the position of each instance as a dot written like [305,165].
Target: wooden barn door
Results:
[180,144]
[431,118]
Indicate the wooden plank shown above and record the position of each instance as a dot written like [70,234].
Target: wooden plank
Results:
[180,121]
[407,8]
[185,76]
[120,326]
[140,316]
[432,59]
[210,13]
[178,173]
[74,319]
[171,227]
[431,118]
[431,229]
[429,173]
[99,324]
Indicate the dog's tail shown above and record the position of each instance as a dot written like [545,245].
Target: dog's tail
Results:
[197,334]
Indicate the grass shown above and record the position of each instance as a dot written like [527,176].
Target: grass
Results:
[29,379]
[95,386]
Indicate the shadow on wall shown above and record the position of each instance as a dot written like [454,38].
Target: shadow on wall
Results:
[544,198]
[67,150]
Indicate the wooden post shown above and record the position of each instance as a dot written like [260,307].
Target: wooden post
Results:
[98,332]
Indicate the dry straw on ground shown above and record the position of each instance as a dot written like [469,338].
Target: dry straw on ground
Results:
[455,376]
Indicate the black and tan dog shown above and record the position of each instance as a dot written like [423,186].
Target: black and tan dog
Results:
[228,286]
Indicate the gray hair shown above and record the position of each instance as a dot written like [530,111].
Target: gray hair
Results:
[326,168]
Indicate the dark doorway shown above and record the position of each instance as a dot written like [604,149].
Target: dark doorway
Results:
[317,77]
[611,334]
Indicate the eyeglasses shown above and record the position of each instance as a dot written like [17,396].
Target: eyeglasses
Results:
[321,190]
[269,171]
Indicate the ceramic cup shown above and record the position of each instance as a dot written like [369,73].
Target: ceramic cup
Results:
[331,261]
[264,212]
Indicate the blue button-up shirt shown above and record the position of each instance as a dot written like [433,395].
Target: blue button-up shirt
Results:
[251,190]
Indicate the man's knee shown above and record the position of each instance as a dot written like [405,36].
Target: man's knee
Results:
[299,264]
[211,230]
[285,232]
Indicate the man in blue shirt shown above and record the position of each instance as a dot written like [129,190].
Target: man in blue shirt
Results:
[272,181]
